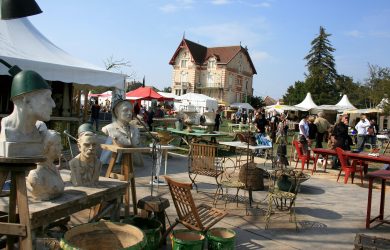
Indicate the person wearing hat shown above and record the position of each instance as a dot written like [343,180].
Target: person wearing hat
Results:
[121,131]
[31,95]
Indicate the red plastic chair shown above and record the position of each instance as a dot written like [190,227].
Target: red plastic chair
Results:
[301,157]
[348,169]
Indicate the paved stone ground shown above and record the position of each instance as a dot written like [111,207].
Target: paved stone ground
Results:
[329,213]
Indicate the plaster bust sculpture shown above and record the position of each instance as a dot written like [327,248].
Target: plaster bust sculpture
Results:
[122,132]
[31,95]
[45,180]
[85,167]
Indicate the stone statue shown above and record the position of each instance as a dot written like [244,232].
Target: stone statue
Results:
[19,136]
[122,132]
[85,167]
[45,180]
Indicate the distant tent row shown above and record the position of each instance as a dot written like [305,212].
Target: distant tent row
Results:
[343,106]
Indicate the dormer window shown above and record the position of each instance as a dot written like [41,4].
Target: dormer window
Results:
[212,63]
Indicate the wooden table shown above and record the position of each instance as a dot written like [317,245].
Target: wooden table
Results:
[17,198]
[325,152]
[380,174]
[127,171]
[74,199]
[196,135]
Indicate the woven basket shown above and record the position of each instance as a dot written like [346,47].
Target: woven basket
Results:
[367,242]
[103,235]
[251,176]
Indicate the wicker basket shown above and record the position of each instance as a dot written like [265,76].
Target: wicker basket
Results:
[103,235]
[252,176]
[367,242]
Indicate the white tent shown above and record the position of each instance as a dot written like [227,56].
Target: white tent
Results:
[198,102]
[242,105]
[168,95]
[307,103]
[23,45]
[344,103]
[280,108]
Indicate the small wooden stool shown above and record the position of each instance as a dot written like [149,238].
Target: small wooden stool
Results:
[156,205]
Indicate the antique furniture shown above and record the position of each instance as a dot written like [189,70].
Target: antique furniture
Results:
[324,152]
[127,172]
[201,217]
[282,193]
[203,160]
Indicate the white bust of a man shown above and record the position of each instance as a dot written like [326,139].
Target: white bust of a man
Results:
[85,167]
[45,180]
[122,132]
[31,95]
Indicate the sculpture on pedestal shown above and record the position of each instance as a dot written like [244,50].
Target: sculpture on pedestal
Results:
[122,132]
[32,100]
[45,180]
[85,167]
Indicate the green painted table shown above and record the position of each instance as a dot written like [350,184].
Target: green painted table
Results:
[197,135]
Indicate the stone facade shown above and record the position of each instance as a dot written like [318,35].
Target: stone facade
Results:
[224,73]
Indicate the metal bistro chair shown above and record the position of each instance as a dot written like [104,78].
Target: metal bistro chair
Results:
[203,160]
[199,218]
[348,169]
[282,193]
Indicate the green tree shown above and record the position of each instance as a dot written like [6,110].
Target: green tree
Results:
[167,89]
[295,93]
[322,73]
[256,101]
[377,84]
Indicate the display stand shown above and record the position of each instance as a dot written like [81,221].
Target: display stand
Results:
[17,168]
[127,171]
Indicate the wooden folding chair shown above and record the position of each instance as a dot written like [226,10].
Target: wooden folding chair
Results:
[199,218]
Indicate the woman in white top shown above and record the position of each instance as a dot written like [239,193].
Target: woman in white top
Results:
[304,134]
[361,128]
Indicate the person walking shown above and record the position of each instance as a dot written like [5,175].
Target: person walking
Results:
[95,110]
[361,128]
[312,130]
[322,127]
[218,121]
[304,134]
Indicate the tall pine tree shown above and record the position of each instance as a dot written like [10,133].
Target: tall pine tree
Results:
[322,74]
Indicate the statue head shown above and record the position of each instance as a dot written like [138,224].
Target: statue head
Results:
[52,146]
[37,104]
[122,111]
[85,127]
[87,144]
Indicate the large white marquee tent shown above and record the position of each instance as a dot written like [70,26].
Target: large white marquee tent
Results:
[23,45]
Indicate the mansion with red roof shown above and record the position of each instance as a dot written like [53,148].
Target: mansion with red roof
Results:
[224,73]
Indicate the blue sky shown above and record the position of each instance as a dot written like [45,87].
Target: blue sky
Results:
[277,33]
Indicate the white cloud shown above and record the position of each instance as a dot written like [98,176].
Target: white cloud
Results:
[177,5]
[354,33]
[232,33]
[259,56]
[220,2]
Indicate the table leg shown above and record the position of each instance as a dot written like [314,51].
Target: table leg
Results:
[166,160]
[125,171]
[12,210]
[111,164]
[326,162]
[132,183]
[24,215]
[369,199]
[315,164]
[382,206]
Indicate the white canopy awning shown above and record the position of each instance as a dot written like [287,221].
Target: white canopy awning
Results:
[307,103]
[23,45]
[168,95]
[242,105]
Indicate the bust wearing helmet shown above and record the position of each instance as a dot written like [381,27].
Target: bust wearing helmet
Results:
[32,100]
